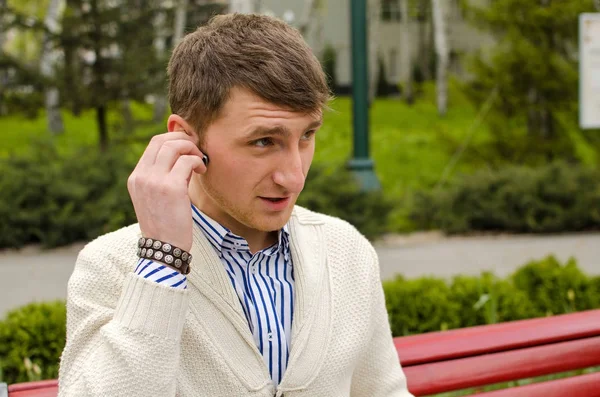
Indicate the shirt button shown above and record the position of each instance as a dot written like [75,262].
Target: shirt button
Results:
[270,336]
[253,269]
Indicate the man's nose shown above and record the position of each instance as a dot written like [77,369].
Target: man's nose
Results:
[289,174]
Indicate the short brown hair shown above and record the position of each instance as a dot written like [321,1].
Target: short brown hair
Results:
[260,53]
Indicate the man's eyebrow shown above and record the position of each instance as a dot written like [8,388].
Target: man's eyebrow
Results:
[278,130]
[315,124]
[261,131]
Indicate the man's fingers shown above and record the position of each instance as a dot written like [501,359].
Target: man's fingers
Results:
[149,156]
[184,167]
[170,152]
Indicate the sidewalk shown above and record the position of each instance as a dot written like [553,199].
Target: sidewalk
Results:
[432,254]
[35,275]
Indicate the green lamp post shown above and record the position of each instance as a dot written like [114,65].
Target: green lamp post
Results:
[361,164]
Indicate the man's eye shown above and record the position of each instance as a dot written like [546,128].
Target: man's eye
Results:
[307,136]
[263,142]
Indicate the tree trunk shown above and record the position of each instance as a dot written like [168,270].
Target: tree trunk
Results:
[180,21]
[424,40]
[441,49]
[3,74]
[53,116]
[102,128]
[374,13]
[540,123]
[241,6]
[319,40]
[160,106]
[2,27]
[160,46]
[532,122]
[306,17]
[127,115]
[47,64]
[98,73]
[311,22]
[407,86]
[71,76]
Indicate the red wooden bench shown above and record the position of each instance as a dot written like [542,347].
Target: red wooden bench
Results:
[473,357]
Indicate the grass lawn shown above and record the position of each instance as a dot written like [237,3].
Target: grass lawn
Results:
[411,145]
[19,132]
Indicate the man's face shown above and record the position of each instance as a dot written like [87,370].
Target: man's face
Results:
[259,158]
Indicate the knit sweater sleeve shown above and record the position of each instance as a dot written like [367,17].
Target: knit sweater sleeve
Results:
[379,373]
[123,331]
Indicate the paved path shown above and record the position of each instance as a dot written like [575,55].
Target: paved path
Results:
[34,275]
[431,254]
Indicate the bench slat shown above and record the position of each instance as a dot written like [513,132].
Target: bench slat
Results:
[466,342]
[45,388]
[48,392]
[502,367]
[583,385]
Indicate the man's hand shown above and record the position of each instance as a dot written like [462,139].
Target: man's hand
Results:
[158,187]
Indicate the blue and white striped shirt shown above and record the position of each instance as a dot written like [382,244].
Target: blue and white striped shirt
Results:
[263,281]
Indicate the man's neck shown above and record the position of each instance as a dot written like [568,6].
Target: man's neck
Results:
[257,239]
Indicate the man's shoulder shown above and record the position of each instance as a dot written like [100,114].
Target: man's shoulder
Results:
[348,249]
[332,225]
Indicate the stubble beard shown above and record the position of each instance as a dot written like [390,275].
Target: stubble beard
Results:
[245,216]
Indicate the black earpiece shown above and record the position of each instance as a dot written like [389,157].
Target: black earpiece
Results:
[205,160]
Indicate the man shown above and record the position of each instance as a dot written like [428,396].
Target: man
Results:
[275,300]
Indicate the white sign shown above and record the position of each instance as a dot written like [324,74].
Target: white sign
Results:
[589,70]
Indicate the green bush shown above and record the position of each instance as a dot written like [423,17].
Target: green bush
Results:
[421,305]
[555,198]
[32,337]
[538,289]
[553,288]
[335,192]
[31,341]
[55,199]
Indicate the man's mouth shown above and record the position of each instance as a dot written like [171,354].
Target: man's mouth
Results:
[276,203]
[274,199]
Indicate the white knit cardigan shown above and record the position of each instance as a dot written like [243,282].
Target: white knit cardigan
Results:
[130,337]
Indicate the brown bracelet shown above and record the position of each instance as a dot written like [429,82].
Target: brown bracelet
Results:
[171,256]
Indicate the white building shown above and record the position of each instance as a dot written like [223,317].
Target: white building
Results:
[331,27]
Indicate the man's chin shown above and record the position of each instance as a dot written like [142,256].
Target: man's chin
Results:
[272,222]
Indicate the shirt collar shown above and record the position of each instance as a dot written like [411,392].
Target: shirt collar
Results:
[223,239]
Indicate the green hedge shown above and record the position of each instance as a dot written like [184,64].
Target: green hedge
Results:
[56,199]
[335,192]
[540,288]
[555,198]
[31,341]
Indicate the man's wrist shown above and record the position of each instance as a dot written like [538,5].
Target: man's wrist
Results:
[165,253]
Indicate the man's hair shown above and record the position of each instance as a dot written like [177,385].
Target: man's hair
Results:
[256,52]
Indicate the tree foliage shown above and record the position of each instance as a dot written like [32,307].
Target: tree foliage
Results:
[108,54]
[534,68]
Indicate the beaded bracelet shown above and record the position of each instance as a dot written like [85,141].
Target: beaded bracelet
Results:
[165,253]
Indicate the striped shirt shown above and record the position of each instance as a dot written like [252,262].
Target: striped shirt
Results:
[263,281]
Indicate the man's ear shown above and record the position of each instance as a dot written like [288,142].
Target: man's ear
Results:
[177,123]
